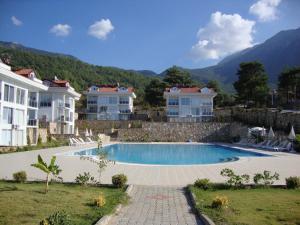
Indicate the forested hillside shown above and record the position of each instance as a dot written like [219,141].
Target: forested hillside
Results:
[80,74]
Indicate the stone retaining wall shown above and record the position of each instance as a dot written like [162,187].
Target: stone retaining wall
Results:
[279,120]
[181,132]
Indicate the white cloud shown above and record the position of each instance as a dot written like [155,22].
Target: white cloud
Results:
[265,10]
[223,35]
[100,29]
[16,21]
[62,30]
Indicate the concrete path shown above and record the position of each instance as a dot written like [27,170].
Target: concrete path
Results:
[156,205]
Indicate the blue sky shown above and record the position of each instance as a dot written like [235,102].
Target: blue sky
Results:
[143,34]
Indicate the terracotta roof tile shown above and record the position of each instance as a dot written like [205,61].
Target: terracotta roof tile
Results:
[24,72]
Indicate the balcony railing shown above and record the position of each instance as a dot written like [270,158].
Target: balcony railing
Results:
[123,102]
[32,122]
[32,103]
[45,104]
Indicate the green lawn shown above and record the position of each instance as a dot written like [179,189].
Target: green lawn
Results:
[27,203]
[252,206]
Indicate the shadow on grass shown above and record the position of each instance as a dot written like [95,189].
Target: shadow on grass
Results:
[9,188]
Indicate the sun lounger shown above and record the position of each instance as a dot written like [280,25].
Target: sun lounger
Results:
[89,140]
[71,142]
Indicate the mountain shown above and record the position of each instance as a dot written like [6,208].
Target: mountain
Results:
[277,53]
[80,74]
[17,46]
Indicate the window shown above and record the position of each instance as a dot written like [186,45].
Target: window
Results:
[45,100]
[19,117]
[9,93]
[20,96]
[185,101]
[6,137]
[103,109]
[173,101]
[112,100]
[7,115]
[92,109]
[173,112]
[195,111]
[124,100]
[125,111]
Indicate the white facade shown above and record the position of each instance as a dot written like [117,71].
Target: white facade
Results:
[18,106]
[189,104]
[109,103]
[57,106]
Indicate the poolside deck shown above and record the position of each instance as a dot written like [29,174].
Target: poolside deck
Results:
[286,164]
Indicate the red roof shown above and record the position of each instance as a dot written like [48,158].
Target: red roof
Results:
[111,89]
[187,89]
[58,83]
[24,72]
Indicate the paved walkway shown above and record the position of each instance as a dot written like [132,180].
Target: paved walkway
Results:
[156,205]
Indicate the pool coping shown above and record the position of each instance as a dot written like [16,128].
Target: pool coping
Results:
[240,159]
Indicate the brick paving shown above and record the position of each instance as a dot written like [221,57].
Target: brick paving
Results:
[156,205]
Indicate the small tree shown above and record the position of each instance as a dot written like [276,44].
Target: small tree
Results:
[177,76]
[234,179]
[265,178]
[51,169]
[101,159]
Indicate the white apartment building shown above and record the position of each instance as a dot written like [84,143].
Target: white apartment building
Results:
[109,102]
[19,93]
[189,104]
[57,106]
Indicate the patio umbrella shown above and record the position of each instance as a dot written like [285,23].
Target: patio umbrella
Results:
[271,134]
[91,133]
[87,132]
[292,135]
[77,132]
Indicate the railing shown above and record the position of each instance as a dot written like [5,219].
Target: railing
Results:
[32,103]
[32,122]
[45,104]
[92,102]
[123,102]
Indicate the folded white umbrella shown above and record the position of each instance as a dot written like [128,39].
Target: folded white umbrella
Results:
[87,132]
[292,135]
[271,134]
[77,132]
[91,133]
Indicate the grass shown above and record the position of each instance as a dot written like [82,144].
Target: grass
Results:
[28,204]
[260,206]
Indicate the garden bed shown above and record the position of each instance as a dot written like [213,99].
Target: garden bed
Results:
[28,204]
[250,206]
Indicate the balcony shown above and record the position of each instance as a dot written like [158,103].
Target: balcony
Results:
[32,103]
[32,122]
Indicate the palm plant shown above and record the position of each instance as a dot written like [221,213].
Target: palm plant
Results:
[51,169]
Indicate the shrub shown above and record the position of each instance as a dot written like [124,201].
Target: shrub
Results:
[297,143]
[57,218]
[84,179]
[265,178]
[100,200]
[20,176]
[119,180]
[234,179]
[220,202]
[292,182]
[203,184]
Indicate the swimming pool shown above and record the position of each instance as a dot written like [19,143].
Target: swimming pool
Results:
[171,154]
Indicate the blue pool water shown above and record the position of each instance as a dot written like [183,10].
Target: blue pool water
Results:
[171,154]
